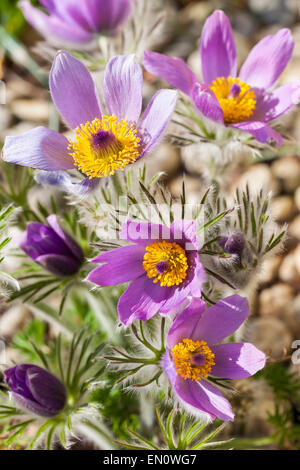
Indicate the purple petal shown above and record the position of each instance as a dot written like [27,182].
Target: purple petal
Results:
[63,181]
[32,406]
[205,397]
[46,389]
[73,90]
[16,380]
[40,239]
[40,148]
[270,106]
[122,265]
[268,59]
[54,26]
[172,69]
[217,48]
[156,118]
[206,102]
[143,232]
[199,277]
[237,360]
[185,323]
[169,367]
[59,265]
[261,131]
[218,321]
[73,246]
[122,86]
[141,300]
[186,232]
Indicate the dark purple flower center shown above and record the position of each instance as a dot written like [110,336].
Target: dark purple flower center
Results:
[198,359]
[103,139]
[235,90]
[162,266]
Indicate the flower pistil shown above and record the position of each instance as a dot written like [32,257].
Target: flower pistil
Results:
[193,359]
[236,98]
[166,262]
[104,146]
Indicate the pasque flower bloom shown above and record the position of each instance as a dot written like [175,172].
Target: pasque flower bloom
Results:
[36,390]
[74,21]
[194,354]
[103,144]
[245,101]
[162,263]
[52,247]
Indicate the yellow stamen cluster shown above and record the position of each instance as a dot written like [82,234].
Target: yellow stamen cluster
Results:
[183,354]
[166,262]
[237,106]
[97,161]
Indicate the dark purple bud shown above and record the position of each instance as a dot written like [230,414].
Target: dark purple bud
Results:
[233,244]
[52,247]
[36,390]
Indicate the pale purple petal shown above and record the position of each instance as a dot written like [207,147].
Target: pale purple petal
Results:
[40,148]
[268,59]
[270,106]
[217,48]
[121,265]
[205,397]
[186,322]
[206,102]
[261,131]
[63,181]
[106,15]
[237,360]
[122,87]
[73,90]
[156,118]
[172,69]
[54,26]
[141,300]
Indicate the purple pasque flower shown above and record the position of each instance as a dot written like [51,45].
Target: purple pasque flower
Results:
[233,244]
[52,247]
[245,101]
[36,390]
[162,264]
[194,354]
[102,144]
[76,22]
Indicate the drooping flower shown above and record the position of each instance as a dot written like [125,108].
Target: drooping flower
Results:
[194,354]
[103,143]
[162,263]
[245,101]
[233,244]
[52,247]
[36,390]
[73,21]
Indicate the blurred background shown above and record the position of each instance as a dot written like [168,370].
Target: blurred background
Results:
[276,304]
